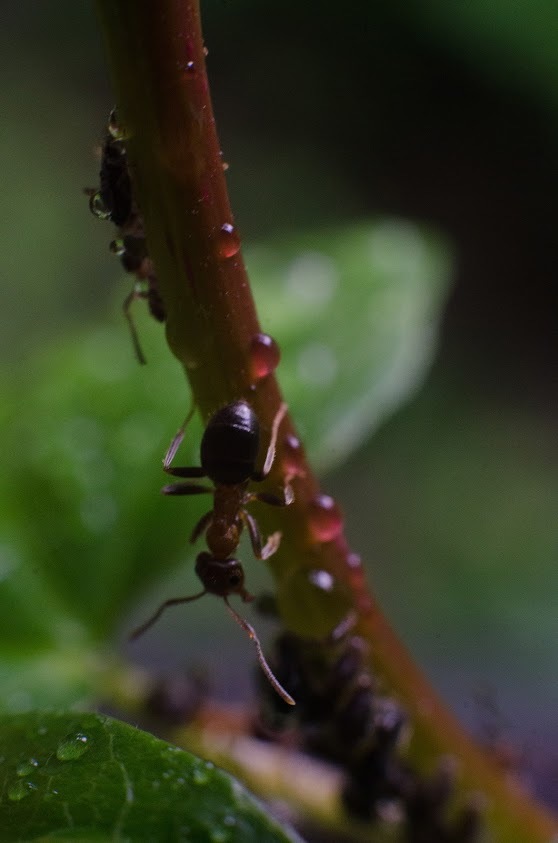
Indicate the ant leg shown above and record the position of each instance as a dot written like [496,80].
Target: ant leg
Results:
[185,488]
[201,526]
[272,543]
[273,500]
[251,632]
[126,307]
[270,456]
[177,440]
[173,601]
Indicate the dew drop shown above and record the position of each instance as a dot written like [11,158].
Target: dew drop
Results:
[20,790]
[27,767]
[225,165]
[354,562]
[322,580]
[115,130]
[117,247]
[292,457]
[190,67]
[326,521]
[264,356]
[98,207]
[72,748]
[205,51]
[200,776]
[229,241]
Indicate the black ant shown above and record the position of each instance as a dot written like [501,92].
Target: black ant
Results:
[229,451]
[114,201]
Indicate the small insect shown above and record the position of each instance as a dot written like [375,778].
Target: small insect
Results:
[229,452]
[114,201]
[228,455]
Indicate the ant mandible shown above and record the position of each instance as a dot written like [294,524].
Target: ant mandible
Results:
[229,451]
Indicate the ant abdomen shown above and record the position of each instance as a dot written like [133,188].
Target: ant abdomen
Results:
[230,444]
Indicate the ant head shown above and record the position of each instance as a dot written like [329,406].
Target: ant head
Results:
[221,577]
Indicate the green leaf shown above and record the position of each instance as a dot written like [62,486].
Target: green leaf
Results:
[84,777]
[356,312]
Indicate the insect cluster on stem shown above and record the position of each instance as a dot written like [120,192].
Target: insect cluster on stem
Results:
[342,717]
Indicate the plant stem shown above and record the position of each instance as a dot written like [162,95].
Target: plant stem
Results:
[157,55]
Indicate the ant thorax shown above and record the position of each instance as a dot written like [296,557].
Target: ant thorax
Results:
[223,532]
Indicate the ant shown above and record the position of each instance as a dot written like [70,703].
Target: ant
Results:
[114,201]
[228,454]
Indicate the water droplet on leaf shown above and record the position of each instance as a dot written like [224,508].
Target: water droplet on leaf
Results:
[72,748]
[20,790]
[27,767]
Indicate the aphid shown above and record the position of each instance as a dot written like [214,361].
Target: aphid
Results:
[229,451]
[113,200]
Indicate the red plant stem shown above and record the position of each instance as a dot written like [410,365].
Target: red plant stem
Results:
[157,55]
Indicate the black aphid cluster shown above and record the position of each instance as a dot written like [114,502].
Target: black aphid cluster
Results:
[114,201]
[341,717]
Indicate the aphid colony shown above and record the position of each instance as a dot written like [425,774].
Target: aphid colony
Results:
[114,200]
[342,717]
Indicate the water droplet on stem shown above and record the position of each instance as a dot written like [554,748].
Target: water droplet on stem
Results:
[326,521]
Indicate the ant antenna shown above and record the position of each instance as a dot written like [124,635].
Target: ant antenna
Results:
[173,601]
[270,456]
[177,441]
[251,632]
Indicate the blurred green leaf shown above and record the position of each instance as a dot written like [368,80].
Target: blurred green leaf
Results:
[356,312]
[85,530]
[509,38]
[84,777]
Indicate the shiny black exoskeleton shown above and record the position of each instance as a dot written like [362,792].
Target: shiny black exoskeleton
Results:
[228,455]
[230,445]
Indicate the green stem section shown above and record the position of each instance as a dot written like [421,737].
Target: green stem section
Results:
[157,55]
